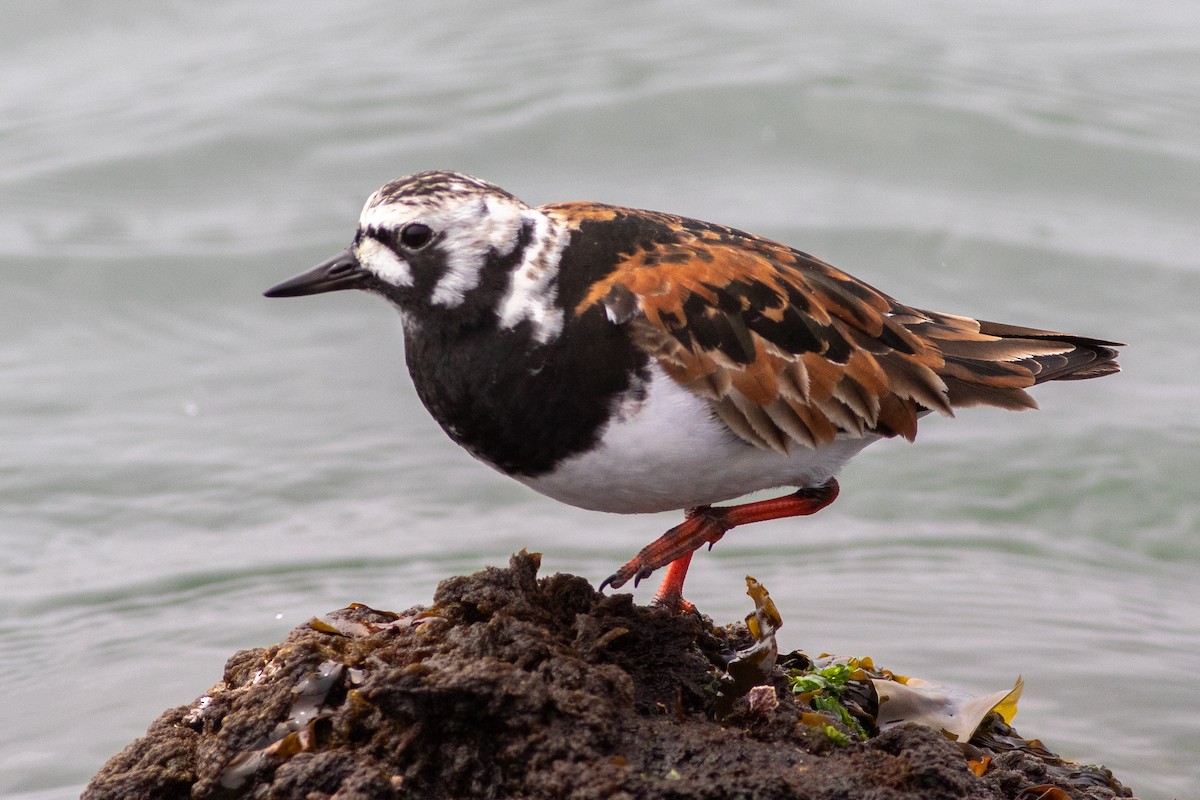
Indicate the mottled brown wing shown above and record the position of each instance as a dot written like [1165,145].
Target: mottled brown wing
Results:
[789,349]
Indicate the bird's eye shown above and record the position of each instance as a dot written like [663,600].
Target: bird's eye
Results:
[416,235]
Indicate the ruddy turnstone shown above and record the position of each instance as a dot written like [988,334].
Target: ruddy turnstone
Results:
[633,361]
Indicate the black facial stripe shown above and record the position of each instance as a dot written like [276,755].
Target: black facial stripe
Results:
[496,277]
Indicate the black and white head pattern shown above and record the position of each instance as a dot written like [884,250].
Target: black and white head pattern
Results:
[443,240]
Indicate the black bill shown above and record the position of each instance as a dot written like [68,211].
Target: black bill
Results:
[340,272]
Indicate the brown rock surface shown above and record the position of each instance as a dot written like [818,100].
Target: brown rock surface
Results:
[515,686]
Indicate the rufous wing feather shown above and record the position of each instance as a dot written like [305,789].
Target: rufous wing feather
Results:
[790,350]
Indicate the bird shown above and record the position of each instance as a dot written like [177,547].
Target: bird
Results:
[633,361]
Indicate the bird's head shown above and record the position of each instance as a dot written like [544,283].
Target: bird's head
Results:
[432,240]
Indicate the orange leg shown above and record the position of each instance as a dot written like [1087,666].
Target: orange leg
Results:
[670,591]
[706,525]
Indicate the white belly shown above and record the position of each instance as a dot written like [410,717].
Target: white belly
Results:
[670,451]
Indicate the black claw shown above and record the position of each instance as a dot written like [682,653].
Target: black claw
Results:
[613,582]
[622,576]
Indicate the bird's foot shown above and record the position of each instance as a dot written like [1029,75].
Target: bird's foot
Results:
[704,525]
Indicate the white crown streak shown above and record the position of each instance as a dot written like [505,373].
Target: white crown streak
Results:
[534,288]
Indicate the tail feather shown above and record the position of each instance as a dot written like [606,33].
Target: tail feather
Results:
[990,363]
[1085,358]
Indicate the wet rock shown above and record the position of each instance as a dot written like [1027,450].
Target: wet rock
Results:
[513,686]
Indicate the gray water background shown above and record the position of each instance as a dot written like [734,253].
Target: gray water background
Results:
[187,468]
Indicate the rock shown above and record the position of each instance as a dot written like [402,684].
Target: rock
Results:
[515,686]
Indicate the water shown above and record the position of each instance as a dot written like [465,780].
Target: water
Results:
[188,469]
